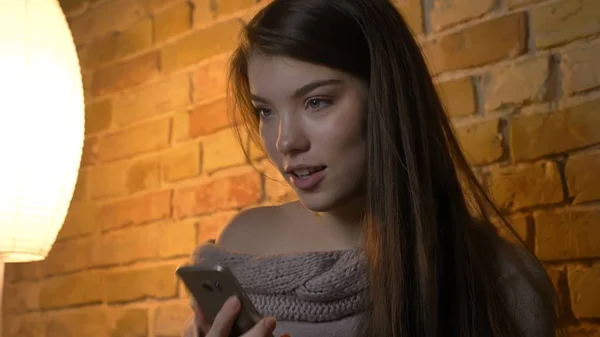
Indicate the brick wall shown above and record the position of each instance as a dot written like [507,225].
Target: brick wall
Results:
[161,171]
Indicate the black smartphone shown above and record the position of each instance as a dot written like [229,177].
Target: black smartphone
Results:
[211,286]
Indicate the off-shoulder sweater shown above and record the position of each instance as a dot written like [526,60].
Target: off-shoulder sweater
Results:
[322,294]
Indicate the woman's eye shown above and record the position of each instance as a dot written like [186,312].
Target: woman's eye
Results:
[263,112]
[317,103]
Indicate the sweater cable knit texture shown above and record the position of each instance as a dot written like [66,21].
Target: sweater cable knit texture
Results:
[310,287]
[324,293]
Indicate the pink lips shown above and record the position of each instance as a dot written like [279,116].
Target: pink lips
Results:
[308,182]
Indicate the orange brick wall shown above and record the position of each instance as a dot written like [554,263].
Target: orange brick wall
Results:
[161,171]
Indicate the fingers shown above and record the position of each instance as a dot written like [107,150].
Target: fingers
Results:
[225,318]
[264,328]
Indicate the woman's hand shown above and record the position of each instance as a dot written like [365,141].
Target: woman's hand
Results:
[224,320]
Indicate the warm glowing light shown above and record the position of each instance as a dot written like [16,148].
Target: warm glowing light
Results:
[42,126]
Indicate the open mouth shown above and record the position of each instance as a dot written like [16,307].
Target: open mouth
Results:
[307,172]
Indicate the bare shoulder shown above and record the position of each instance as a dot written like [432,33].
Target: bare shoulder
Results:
[247,228]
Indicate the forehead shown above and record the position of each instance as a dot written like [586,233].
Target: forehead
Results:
[277,74]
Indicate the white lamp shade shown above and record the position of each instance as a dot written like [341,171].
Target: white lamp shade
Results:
[41,126]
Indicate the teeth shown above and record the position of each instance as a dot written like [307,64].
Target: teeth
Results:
[305,172]
[302,172]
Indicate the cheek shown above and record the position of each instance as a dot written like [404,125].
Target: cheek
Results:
[346,133]
[351,160]
[346,142]
[353,150]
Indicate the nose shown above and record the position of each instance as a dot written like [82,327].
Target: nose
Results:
[291,137]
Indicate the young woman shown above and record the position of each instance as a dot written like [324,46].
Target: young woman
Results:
[392,234]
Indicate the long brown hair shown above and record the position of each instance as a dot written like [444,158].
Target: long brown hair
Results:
[429,240]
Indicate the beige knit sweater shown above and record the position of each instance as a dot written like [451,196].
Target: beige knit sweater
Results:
[321,294]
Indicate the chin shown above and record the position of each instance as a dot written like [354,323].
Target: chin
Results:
[328,197]
[314,206]
[319,202]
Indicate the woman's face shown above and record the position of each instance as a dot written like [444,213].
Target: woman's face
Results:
[311,125]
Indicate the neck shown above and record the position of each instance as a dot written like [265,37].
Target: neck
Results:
[346,220]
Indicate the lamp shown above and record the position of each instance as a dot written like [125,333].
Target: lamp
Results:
[41,127]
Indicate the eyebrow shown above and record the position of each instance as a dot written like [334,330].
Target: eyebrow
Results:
[305,89]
